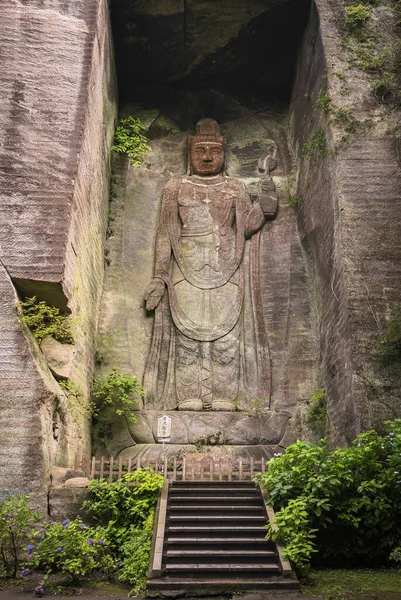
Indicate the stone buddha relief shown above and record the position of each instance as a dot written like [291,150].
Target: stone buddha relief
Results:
[209,349]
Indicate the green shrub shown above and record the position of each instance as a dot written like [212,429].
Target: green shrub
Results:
[117,541]
[71,548]
[316,413]
[343,503]
[122,504]
[356,15]
[44,321]
[117,389]
[136,556]
[124,514]
[16,522]
[129,140]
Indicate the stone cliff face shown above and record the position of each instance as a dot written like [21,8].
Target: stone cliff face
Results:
[345,127]
[57,121]
[330,266]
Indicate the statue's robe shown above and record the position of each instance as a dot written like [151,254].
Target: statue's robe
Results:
[209,344]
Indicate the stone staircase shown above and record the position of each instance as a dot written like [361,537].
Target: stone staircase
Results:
[214,541]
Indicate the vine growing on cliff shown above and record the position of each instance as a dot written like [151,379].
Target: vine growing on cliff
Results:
[129,140]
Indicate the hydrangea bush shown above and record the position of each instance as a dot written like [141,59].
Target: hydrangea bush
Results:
[342,506]
[16,522]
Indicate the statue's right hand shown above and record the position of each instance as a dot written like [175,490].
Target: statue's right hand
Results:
[153,293]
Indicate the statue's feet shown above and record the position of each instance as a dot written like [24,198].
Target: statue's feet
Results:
[222,405]
[190,405]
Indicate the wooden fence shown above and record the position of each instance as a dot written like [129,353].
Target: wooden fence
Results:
[188,468]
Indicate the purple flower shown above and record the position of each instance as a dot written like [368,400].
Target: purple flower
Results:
[66,522]
[83,526]
[52,522]
[90,542]
[29,548]
[59,549]
[25,572]
[101,542]
[30,557]
[39,591]
[65,527]
[43,537]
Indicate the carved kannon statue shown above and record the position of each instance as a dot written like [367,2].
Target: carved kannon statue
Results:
[209,349]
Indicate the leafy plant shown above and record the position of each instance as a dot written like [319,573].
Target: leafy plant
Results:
[136,552]
[356,15]
[315,146]
[122,504]
[45,320]
[117,389]
[16,522]
[344,503]
[71,548]
[130,140]
[323,102]
[316,413]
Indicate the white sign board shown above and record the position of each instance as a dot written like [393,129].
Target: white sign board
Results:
[164,428]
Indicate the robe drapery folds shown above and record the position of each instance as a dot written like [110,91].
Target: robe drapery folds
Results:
[209,345]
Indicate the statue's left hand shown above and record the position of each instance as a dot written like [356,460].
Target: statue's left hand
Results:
[153,293]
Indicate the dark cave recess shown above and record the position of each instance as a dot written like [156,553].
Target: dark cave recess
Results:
[166,50]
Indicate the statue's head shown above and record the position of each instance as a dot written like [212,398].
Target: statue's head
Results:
[206,148]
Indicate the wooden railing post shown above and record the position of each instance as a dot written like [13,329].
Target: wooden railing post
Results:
[155,567]
[284,562]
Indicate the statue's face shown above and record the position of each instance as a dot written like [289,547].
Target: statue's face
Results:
[207,158]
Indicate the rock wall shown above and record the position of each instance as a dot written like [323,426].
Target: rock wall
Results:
[349,191]
[56,123]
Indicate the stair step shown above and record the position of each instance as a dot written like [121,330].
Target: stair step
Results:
[222,584]
[219,553]
[260,518]
[220,498]
[192,487]
[216,540]
[220,507]
[223,568]
[237,528]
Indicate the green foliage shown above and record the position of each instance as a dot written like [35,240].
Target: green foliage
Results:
[71,548]
[323,102]
[122,504]
[130,140]
[356,15]
[117,389]
[370,50]
[44,321]
[316,413]
[395,555]
[71,389]
[136,552]
[315,146]
[344,503]
[16,522]
[125,515]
